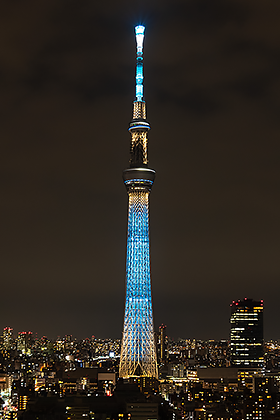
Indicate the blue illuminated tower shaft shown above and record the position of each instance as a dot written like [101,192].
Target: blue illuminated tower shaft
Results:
[138,354]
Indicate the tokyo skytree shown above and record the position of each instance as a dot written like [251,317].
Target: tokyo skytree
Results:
[138,353]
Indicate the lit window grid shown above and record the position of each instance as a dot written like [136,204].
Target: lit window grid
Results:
[246,346]
[138,346]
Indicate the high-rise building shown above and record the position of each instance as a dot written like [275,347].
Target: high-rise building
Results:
[24,342]
[246,333]
[7,338]
[138,352]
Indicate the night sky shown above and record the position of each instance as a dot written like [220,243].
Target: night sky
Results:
[212,87]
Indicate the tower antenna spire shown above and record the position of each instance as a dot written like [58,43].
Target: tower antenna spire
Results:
[139,32]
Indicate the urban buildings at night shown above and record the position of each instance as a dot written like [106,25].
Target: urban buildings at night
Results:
[246,333]
[80,379]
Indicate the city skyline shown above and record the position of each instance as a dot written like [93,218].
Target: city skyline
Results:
[212,89]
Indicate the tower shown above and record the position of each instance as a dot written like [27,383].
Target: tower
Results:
[246,333]
[138,352]
[162,344]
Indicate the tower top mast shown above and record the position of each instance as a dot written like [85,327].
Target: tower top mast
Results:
[139,126]
[139,32]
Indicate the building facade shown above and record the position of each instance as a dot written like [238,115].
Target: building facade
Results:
[138,352]
[7,338]
[246,333]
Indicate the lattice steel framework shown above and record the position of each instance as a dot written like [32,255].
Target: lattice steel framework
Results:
[138,354]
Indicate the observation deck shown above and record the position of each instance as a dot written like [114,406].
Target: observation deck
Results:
[138,178]
[139,124]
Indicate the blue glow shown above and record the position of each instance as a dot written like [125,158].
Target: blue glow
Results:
[138,319]
[139,181]
[139,31]
[139,73]
[139,92]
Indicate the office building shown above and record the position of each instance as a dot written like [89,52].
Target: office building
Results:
[246,333]
[7,338]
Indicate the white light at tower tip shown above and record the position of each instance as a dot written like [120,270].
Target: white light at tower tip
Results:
[139,31]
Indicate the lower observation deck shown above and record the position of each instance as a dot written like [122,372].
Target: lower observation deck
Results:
[139,173]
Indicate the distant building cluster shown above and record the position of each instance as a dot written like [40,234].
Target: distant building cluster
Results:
[79,379]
